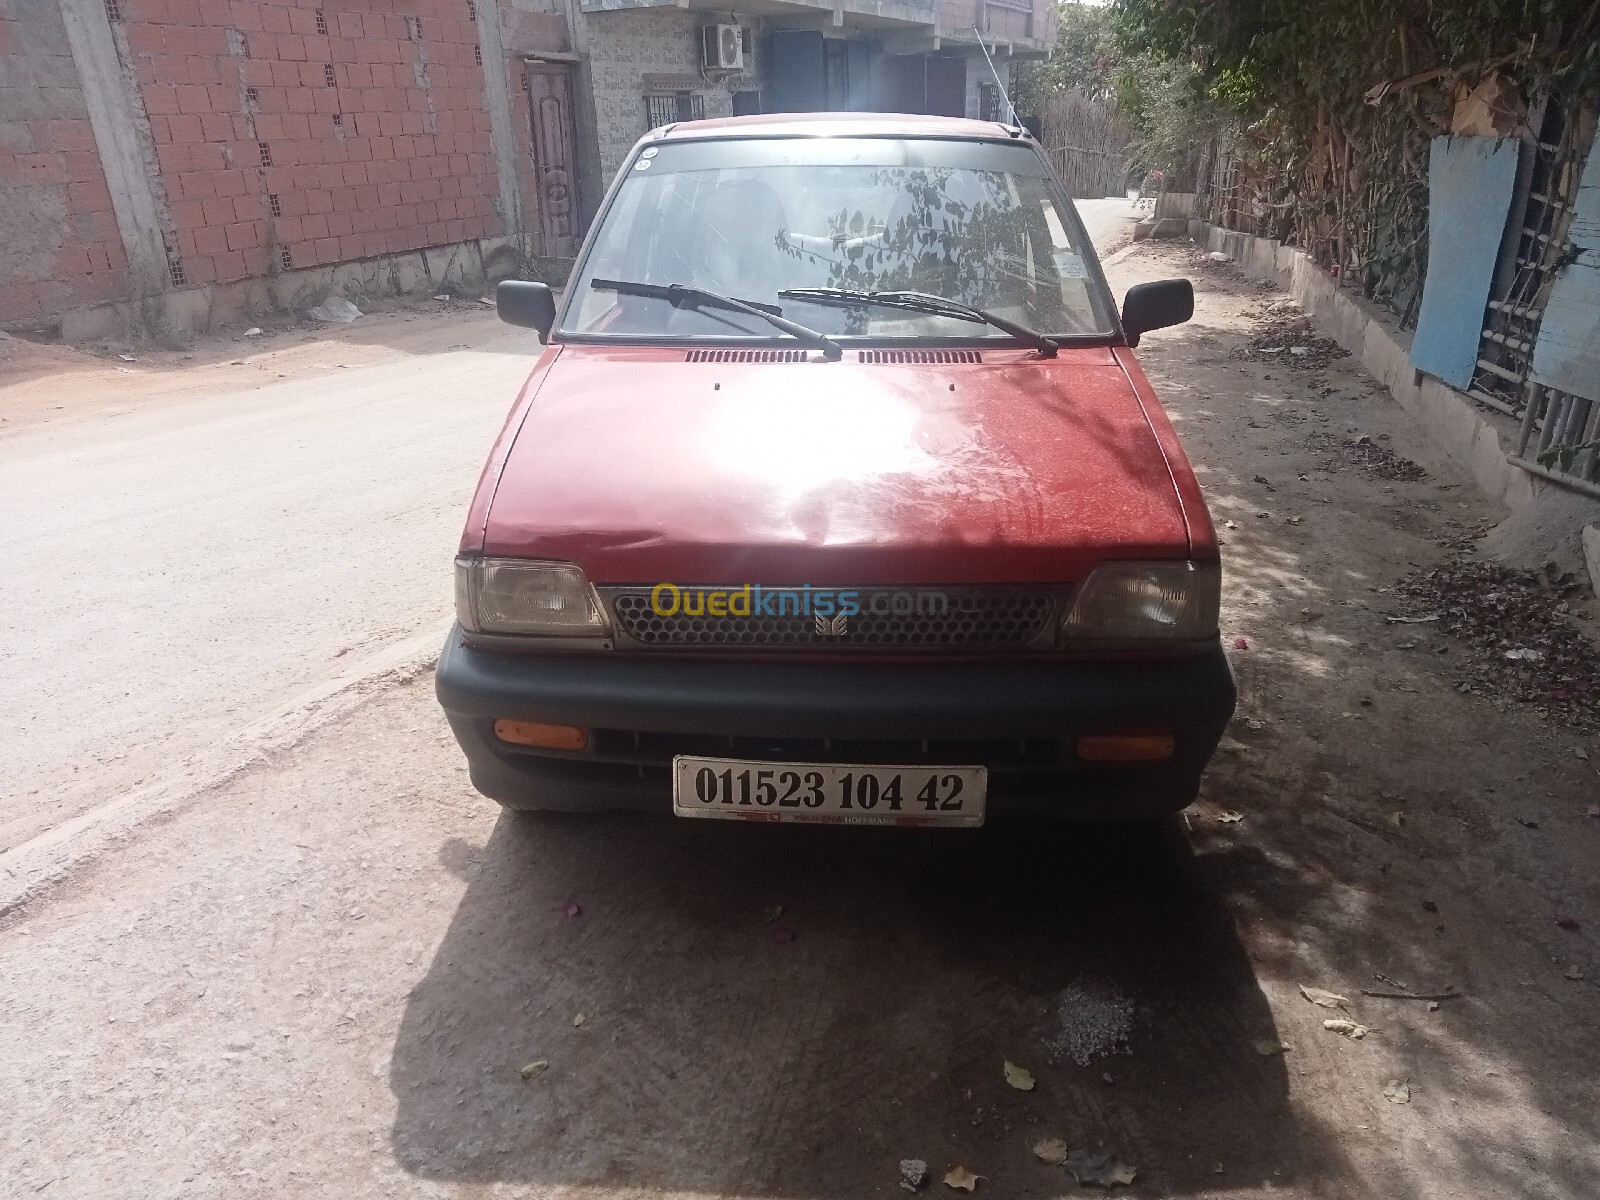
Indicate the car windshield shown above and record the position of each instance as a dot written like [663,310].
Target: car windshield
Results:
[980,223]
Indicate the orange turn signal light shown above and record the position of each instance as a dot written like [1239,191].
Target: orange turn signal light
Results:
[1139,747]
[546,737]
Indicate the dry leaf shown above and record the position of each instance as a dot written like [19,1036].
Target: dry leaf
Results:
[1018,1078]
[1348,1028]
[1267,1047]
[1050,1150]
[1103,1168]
[1322,998]
[1230,818]
[961,1179]
[534,1069]
[1397,1091]
[579,1020]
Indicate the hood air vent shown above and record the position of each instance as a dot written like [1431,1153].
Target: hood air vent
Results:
[920,356]
[746,356]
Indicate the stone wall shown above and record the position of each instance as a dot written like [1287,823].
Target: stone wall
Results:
[625,45]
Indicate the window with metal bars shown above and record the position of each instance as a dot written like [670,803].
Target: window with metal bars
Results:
[671,107]
[322,23]
[113,10]
[477,55]
[274,204]
[285,258]
[266,153]
[176,273]
[328,77]
[988,102]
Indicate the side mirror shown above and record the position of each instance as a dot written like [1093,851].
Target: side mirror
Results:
[530,305]
[1153,306]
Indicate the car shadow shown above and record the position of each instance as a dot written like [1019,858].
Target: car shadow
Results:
[700,1040]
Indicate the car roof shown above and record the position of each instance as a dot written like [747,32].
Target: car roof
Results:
[839,124]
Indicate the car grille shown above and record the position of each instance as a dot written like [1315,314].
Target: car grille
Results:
[989,619]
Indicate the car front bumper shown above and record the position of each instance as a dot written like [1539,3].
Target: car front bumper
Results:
[1021,718]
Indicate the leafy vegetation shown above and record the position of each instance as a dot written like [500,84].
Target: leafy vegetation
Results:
[1084,59]
[1260,55]
[1324,108]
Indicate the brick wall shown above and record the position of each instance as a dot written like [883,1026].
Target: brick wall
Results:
[59,244]
[297,134]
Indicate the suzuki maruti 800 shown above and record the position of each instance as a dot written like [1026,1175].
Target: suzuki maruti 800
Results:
[838,495]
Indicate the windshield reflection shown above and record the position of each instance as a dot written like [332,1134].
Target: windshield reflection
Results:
[988,238]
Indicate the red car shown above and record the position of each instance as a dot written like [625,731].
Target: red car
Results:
[838,495]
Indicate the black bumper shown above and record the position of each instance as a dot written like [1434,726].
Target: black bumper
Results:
[1020,718]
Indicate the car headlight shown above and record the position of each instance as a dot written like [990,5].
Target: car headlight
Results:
[1170,601]
[522,596]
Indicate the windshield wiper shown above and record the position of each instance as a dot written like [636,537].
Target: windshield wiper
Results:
[680,296]
[927,303]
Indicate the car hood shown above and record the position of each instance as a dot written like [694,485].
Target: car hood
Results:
[643,467]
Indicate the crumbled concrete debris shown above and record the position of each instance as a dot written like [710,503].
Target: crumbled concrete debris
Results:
[913,1174]
[1093,1020]
[1506,616]
[1283,336]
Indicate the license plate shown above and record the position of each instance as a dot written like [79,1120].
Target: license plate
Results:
[828,793]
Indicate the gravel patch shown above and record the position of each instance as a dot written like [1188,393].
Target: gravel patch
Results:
[1092,1020]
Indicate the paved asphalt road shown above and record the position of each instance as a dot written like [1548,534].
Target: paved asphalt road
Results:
[182,564]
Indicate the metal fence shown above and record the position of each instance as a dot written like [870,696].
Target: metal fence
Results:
[1558,429]
[1556,426]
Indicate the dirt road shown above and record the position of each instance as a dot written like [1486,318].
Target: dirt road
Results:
[200,544]
[326,975]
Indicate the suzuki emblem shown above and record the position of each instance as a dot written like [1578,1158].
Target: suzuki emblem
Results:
[836,627]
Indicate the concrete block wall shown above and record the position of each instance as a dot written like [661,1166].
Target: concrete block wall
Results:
[627,44]
[59,243]
[291,135]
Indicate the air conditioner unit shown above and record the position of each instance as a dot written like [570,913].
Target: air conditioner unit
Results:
[722,47]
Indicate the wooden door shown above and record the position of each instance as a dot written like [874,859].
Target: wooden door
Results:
[550,112]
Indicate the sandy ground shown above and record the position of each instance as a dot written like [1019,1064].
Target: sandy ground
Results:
[195,544]
[323,977]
